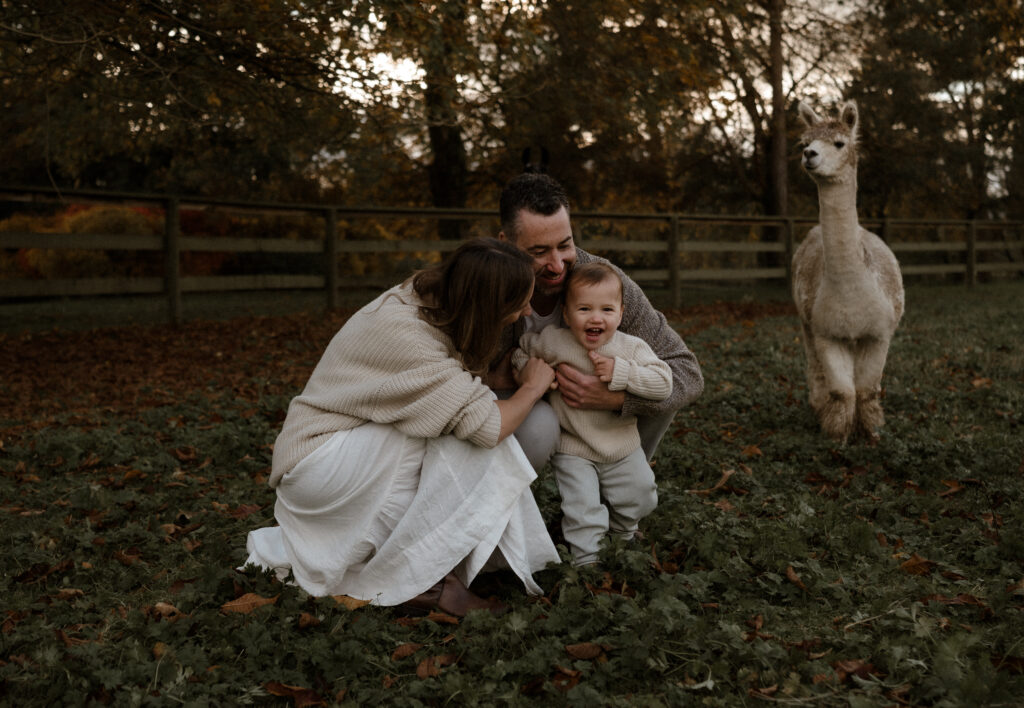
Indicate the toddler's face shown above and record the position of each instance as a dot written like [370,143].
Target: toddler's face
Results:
[594,312]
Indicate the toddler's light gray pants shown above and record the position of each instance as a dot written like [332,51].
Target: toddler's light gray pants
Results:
[602,497]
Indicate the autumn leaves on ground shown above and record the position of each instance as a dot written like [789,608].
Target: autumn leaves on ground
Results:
[778,566]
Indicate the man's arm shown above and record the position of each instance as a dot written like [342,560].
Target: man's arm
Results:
[641,320]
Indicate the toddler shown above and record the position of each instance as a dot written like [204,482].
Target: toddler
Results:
[603,476]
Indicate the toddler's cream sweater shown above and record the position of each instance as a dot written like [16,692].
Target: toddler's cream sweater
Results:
[601,436]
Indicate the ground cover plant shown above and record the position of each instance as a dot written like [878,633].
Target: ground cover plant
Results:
[778,567]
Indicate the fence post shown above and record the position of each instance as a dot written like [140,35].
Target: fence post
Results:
[673,263]
[788,235]
[172,260]
[331,257]
[972,253]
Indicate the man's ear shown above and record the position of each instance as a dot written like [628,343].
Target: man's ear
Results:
[502,236]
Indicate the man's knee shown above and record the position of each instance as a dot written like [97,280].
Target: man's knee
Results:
[652,429]
[538,434]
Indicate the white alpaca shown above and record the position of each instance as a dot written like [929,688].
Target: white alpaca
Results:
[846,284]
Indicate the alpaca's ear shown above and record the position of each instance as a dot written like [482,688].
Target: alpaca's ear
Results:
[848,115]
[807,115]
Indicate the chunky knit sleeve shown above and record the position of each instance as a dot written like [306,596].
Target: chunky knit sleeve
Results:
[639,371]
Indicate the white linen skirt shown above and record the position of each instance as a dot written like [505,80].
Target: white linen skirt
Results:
[380,516]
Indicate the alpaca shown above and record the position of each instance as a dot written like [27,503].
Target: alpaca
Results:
[846,284]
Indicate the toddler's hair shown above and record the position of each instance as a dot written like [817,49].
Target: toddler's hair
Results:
[591,274]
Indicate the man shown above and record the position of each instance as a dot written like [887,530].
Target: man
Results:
[534,212]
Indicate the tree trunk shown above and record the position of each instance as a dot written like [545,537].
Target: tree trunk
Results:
[447,170]
[778,182]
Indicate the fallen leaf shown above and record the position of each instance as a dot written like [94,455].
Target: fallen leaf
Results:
[69,641]
[167,611]
[170,529]
[792,577]
[431,666]
[405,650]
[954,487]
[564,678]
[752,451]
[350,603]
[1013,664]
[128,557]
[185,454]
[718,485]
[916,565]
[244,510]
[300,696]
[441,618]
[247,603]
[308,620]
[585,650]
[853,667]
[724,505]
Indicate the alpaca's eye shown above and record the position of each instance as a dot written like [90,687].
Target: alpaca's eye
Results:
[839,144]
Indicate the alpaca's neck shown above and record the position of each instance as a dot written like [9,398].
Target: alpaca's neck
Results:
[840,229]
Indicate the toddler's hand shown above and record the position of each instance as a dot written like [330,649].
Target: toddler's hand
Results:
[603,366]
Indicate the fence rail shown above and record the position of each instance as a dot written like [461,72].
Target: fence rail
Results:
[677,243]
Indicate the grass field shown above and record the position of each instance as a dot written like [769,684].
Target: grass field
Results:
[779,568]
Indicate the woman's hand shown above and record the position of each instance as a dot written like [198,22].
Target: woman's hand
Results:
[537,375]
[535,379]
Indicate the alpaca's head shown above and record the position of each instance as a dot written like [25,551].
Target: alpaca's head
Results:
[829,146]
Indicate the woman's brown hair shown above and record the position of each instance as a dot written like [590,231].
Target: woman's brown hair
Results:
[471,294]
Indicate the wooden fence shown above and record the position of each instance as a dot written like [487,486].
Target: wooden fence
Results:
[664,249]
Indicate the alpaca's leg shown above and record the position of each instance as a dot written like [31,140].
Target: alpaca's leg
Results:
[869,363]
[837,411]
[817,393]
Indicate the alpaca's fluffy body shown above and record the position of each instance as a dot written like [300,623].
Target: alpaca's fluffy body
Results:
[847,287]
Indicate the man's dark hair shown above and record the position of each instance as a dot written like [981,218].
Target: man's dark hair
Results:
[536,192]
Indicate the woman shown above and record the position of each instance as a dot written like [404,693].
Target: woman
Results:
[397,480]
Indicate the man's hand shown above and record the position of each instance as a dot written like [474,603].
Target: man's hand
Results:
[585,391]
[603,366]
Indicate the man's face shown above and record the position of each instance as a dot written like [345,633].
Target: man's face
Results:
[548,239]
[593,312]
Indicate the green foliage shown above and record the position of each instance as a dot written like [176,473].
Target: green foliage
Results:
[777,566]
[641,106]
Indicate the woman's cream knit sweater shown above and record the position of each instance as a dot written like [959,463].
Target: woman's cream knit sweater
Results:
[387,365]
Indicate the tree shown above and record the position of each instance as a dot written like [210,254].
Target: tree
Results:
[772,52]
[170,95]
[942,80]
